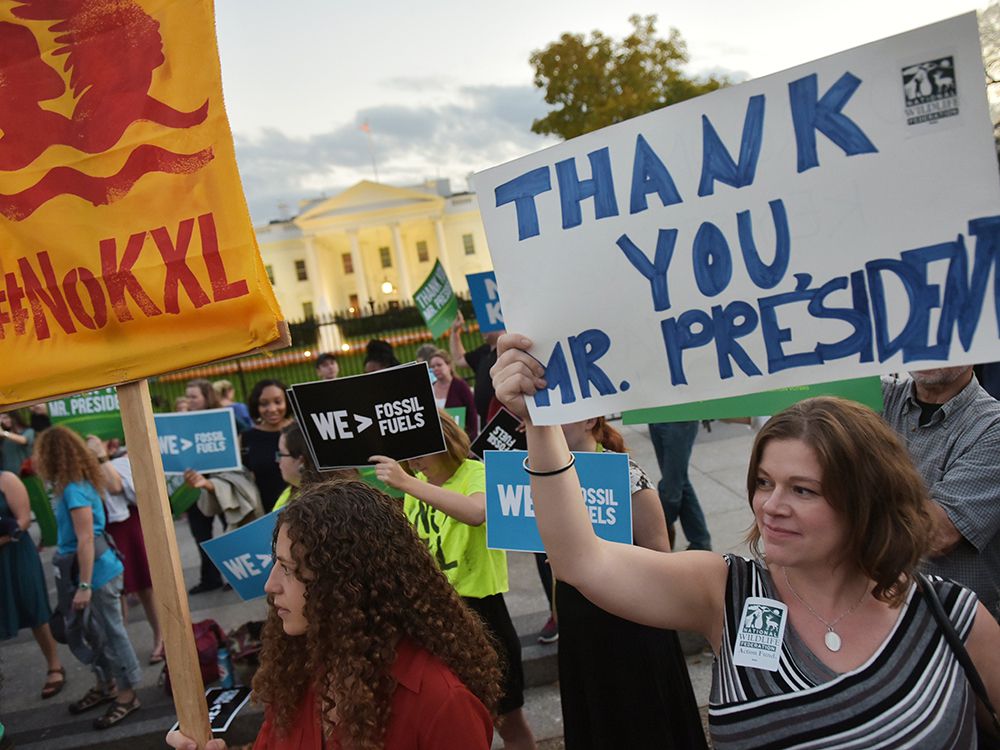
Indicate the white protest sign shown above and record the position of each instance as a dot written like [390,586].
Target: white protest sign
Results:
[836,220]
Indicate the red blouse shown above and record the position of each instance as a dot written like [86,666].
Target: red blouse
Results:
[431,710]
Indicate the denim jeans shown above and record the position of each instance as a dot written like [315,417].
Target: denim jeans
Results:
[672,442]
[116,659]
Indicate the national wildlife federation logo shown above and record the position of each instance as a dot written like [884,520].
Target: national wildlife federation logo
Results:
[761,631]
[762,619]
[930,91]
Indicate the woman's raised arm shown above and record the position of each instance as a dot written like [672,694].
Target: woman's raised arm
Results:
[683,590]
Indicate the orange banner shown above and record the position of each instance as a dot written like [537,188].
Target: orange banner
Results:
[126,247]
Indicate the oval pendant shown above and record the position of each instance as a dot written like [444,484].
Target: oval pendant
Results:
[832,640]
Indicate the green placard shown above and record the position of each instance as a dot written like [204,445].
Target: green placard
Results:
[867,391]
[436,301]
[93,413]
[183,498]
[368,477]
[41,506]
[457,413]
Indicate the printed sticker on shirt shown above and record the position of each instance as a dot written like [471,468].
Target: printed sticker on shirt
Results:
[762,630]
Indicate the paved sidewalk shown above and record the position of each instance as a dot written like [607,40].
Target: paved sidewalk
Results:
[718,472]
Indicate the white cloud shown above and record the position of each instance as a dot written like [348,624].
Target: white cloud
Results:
[484,126]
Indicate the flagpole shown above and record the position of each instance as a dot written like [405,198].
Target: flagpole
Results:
[371,147]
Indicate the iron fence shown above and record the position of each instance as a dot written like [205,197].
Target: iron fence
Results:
[401,326]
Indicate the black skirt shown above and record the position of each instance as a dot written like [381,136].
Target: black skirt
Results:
[623,685]
[492,610]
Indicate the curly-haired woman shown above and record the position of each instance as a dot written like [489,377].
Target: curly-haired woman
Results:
[90,575]
[446,503]
[366,644]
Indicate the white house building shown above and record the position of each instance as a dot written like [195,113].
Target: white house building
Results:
[372,244]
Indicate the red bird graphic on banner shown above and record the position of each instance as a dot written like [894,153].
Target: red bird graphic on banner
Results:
[111,48]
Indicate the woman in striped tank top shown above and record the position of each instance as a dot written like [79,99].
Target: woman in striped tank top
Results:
[823,640]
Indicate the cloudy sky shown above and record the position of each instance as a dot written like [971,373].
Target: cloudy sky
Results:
[446,87]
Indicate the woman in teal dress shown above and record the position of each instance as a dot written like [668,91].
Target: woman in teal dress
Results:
[24,602]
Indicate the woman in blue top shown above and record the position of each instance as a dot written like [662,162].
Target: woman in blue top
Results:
[64,461]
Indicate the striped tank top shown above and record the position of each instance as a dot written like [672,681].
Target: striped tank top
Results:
[911,693]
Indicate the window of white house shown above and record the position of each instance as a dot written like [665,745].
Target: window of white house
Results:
[469,244]
[348,262]
[270,273]
[385,256]
[422,255]
[307,309]
[300,270]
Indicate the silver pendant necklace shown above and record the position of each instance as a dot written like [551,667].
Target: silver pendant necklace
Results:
[831,639]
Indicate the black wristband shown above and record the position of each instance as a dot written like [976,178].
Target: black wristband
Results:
[560,470]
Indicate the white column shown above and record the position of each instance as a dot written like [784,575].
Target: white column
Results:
[360,279]
[321,298]
[443,253]
[405,291]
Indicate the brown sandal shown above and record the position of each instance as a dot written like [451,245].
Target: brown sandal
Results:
[53,687]
[115,713]
[94,697]
[158,655]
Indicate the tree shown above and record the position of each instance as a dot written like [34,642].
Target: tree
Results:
[989,38]
[600,81]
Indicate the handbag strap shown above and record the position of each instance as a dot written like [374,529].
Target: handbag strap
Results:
[950,635]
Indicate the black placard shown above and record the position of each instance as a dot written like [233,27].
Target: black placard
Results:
[389,412]
[223,705]
[501,434]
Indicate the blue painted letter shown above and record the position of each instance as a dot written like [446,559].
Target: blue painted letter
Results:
[857,316]
[600,187]
[917,296]
[522,191]
[727,330]
[679,336]
[824,115]
[656,271]
[586,349]
[963,299]
[556,376]
[713,263]
[763,275]
[650,175]
[716,162]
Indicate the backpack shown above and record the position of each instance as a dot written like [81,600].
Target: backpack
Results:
[208,638]
[244,643]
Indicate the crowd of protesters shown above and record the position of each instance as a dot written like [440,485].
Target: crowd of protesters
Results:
[387,625]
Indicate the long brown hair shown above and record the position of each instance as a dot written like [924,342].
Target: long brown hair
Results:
[456,440]
[608,436]
[369,582]
[868,478]
[61,457]
[211,396]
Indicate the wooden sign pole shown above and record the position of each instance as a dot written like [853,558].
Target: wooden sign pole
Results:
[165,562]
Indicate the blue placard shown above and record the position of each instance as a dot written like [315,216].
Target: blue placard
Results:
[243,556]
[486,301]
[510,512]
[201,440]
